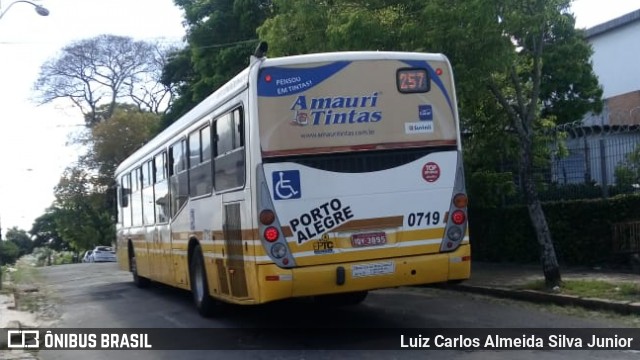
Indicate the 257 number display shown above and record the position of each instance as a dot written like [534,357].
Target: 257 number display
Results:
[423,218]
[412,80]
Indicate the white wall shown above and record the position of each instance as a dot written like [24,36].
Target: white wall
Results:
[616,59]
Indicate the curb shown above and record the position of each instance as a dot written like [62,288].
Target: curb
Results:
[621,307]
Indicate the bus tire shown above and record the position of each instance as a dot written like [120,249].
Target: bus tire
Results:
[344,299]
[139,281]
[206,305]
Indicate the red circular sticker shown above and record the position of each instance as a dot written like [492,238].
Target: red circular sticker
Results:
[431,172]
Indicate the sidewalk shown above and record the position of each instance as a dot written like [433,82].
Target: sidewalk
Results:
[506,280]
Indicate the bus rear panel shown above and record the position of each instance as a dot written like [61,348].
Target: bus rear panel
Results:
[361,183]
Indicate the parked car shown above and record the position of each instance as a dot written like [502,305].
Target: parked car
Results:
[103,254]
[87,256]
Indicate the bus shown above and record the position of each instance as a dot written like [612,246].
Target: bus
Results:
[321,176]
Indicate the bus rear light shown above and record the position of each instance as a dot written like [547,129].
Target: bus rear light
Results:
[271,234]
[460,201]
[267,217]
[285,261]
[458,217]
[278,250]
[454,233]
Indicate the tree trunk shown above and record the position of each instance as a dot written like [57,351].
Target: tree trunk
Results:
[550,266]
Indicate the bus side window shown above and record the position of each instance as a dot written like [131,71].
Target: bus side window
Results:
[229,151]
[136,197]
[125,195]
[179,177]
[148,207]
[200,181]
[160,188]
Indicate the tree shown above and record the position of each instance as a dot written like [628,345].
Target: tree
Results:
[45,232]
[82,218]
[9,252]
[521,37]
[221,37]
[21,239]
[114,140]
[300,27]
[104,70]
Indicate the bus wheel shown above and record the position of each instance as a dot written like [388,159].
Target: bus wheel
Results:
[206,305]
[344,299]
[140,281]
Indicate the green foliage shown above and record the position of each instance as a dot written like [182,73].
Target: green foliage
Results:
[581,230]
[221,36]
[9,252]
[627,173]
[45,256]
[45,232]
[21,239]
[82,217]
[119,136]
[301,27]
[489,189]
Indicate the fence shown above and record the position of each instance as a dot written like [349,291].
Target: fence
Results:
[588,165]
[626,237]
[594,154]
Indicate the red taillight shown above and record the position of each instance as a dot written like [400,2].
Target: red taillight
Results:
[271,234]
[460,200]
[267,217]
[458,217]
[267,78]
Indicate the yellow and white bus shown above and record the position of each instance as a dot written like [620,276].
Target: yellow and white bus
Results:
[324,175]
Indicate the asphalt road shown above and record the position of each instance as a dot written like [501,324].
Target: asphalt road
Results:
[101,296]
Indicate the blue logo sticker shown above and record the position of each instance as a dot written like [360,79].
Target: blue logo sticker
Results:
[286,185]
[425,112]
[282,81]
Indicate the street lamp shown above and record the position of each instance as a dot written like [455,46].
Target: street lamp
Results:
[41,10]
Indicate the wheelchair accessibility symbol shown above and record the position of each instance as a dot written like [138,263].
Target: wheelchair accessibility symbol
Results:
[286,185]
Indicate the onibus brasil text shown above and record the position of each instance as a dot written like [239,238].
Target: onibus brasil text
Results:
[96,341]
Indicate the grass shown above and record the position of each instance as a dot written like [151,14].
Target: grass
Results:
[26,276]
[593,289]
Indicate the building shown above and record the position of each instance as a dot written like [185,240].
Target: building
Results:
[601,142]
[616,55]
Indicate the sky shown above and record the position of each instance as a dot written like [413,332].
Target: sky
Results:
[34,140]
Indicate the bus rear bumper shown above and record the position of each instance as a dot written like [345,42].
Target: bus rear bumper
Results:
[278,283]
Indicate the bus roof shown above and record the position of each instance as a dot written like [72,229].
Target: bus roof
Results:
[351,56]
[241,80]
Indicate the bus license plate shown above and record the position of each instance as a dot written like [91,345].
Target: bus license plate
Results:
[373,269]
[369,239]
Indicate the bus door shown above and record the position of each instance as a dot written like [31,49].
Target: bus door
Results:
[230,180]
[234,275]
